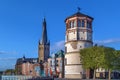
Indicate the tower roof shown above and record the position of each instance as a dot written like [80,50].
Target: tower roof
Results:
[44,33]
[78,14]
[60,53]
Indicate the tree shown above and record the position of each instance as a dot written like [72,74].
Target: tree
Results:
[9,71]
[109,60]
[117,60]
[92,58]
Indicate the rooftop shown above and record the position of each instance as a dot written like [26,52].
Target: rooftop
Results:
[79,14]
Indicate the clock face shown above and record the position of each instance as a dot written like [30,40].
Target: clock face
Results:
[74,45]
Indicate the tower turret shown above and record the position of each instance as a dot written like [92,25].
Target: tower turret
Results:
[78,36]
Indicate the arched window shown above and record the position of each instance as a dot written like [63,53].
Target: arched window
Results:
[71,24]
[79,23]
[83,23]
[75,24]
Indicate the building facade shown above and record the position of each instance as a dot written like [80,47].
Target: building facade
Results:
[78,36]
[56,65]
[27,66]
[44,45]
[36,66]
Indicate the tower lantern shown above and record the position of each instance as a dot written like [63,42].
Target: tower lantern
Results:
[78,36]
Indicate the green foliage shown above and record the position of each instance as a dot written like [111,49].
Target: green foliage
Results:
[92,58]
[109,58]
[100,57]
[117,60]
[9,71]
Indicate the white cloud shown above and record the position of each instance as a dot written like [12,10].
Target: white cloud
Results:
[58,46]
[5,52]
[108,41]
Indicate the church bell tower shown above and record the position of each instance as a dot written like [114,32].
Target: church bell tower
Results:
[44,45]
[78,36]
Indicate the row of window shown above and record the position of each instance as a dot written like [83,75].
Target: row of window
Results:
[79,23]
[80,38]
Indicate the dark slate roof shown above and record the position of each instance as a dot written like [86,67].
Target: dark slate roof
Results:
[78,14]
[24,60]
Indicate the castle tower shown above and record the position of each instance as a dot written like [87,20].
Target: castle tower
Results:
[78,36]
[44,45]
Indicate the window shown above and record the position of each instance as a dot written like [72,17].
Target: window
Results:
[39,48]
[71,24]
[81,38]
[80,46]
[83,23]
[79,23]
[65,49]
[56,61]
[88,24]
[75,24]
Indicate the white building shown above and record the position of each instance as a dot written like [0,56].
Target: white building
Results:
[78,36]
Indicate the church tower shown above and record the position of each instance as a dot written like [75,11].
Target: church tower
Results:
[78,36]
[44,45]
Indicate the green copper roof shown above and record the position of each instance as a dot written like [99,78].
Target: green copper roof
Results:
[60,53]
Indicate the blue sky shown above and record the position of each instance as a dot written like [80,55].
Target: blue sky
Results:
[21,25]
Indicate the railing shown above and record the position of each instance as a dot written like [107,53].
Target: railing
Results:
[81,79]
[14,77]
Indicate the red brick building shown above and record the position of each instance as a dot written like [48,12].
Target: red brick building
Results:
[27,66]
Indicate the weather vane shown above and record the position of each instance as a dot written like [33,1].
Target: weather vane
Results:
[79,9]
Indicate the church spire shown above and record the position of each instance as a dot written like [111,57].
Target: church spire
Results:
[44,44]
[44,33]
